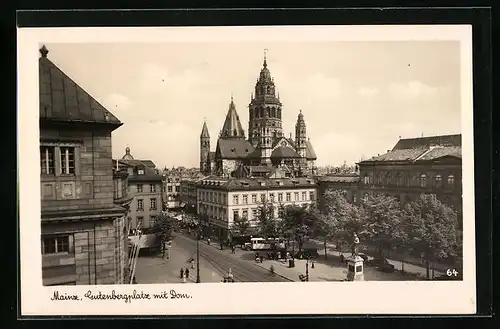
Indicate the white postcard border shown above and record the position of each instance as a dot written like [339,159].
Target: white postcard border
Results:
[438,297]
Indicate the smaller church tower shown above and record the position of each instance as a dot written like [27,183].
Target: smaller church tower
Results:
[300,135]
[265,146]
[204,149]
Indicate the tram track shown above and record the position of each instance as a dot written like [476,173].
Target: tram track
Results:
[242,270]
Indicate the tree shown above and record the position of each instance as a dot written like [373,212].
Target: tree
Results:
[240,226]
[382,221]
[299,222]
[267,224]
[339,218]
[164,226]
[431,227]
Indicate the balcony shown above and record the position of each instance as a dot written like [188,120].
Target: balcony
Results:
[120,188]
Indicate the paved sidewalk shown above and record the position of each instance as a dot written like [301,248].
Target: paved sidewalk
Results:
[155,269]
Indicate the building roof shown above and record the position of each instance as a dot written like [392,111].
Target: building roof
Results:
[232,126]
[233,148]
[310,154]
[62,99]
[150,173]
[255,184]
[441,152]
[443,140]
[421,149]
[284,152]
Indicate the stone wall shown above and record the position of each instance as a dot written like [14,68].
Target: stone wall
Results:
[92,184]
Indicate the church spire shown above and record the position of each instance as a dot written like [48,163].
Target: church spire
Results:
[232,126]
[265,57]
[204,130]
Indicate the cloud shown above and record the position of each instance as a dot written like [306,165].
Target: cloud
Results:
[411,90]
[367,92]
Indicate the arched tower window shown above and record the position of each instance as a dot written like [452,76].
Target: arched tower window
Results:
[269,89]
[256,112]
[279,113]
[235,132]
[366,179]
[268,111]
[273,112]
[261,112]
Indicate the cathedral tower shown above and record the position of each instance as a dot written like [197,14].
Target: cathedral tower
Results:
[204,149]
[232,126]
[264,110]
[301,135]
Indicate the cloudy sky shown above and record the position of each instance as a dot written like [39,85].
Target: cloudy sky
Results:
[357,97]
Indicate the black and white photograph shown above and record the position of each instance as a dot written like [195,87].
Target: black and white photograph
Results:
[312,159]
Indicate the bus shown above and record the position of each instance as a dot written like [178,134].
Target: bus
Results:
[261,244]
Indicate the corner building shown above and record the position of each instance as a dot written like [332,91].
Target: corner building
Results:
[224,200]
[83,207]
[266,145]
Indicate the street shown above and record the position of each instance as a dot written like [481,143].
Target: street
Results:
[243,270]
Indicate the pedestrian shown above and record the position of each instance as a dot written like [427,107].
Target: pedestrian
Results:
[208,241]
[182,273]
[233,249]
[312,263]
[230,274]
[187,272]
[192,263]
[221,246]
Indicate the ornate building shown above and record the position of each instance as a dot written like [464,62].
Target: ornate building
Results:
[266,145]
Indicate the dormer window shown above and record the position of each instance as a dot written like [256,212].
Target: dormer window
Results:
[140,171]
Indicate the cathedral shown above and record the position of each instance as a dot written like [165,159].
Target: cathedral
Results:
[266,151]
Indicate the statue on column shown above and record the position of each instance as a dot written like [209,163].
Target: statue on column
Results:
[355,245]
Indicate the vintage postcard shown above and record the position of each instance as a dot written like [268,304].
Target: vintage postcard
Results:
[246,170]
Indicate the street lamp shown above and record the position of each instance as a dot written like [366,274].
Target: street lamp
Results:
[198,255]
[307,269]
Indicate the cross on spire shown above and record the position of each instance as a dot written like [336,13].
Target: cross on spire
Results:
[265,57]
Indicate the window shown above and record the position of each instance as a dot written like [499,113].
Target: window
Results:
[254,198]
[366,180]
[288,196]
[280,197]
[423,180]
[140,220]
[140,205]
[139,188]
[140,171]
[67,160]
[244,213]
[451,180]
[311,196]
[177,188]
[152,188]
[262,197]
[55,244]
[245,199]
[163,188]
[169,189]
[271,197]
[438,181]
[235,199]
[236,214]
[303,196]
[254,213]
[296,196]
[47,160]
[152,204]
[152,219]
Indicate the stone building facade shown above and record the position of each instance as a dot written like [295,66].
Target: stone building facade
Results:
[83,226]
[145,184]
[431,165]
[223,200]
